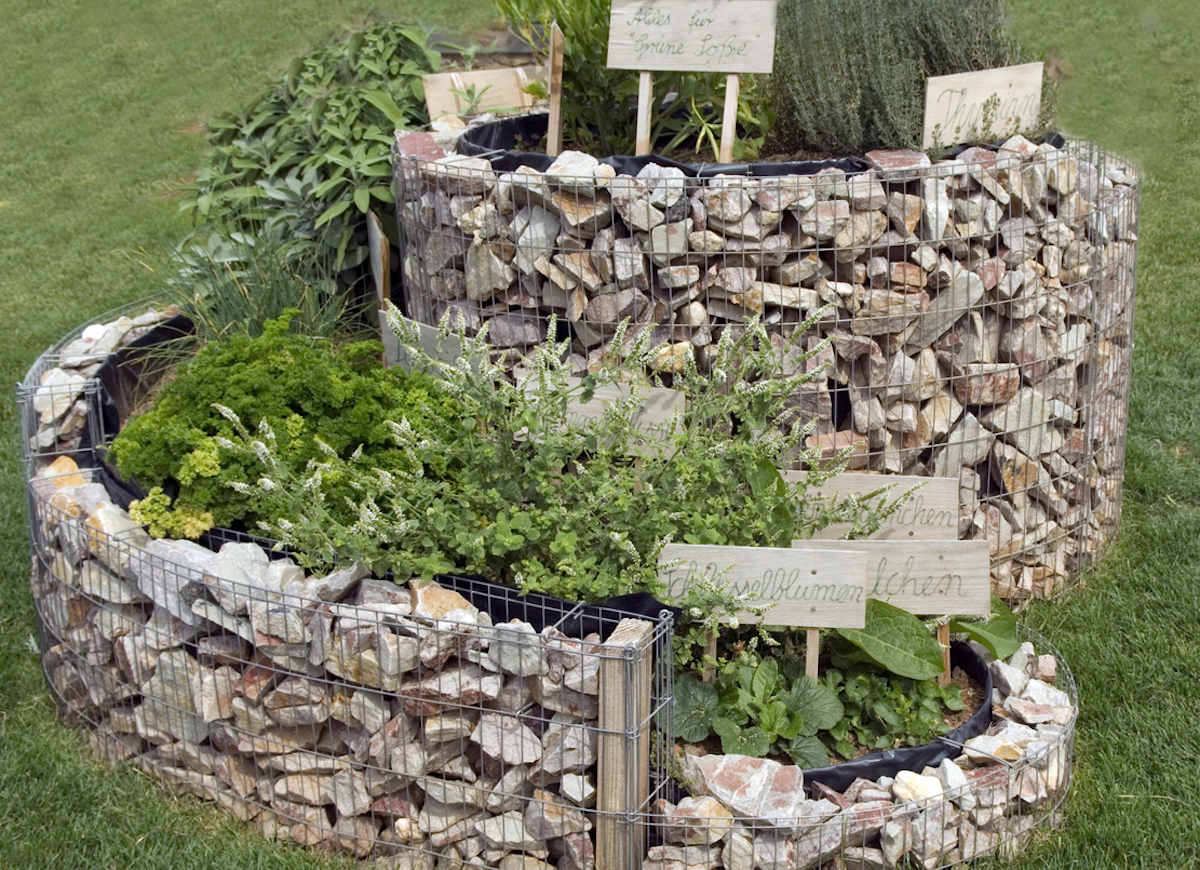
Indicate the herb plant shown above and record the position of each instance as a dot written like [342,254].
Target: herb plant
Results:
[312,155]
[318,399]
[598,107]
[532,496]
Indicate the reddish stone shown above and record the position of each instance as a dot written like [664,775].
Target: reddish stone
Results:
[420,145]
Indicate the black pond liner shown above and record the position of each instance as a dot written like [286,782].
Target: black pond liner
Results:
[496,141]
[891,761]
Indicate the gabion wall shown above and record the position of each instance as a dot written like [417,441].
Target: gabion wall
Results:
[979,320]
[405,726]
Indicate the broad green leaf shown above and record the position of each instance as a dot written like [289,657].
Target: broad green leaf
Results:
[809,752]
[998,634]
[735,740]
[333,211]
[695,707]
[817,703]
[777,722]
[897,641]
[385,103]
[362,199]
[766,676]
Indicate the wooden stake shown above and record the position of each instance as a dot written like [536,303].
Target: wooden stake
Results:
[710,673]
[729,121]
[554,133]
[645,98]
[623,773]
[812,650]
[381,255]
[943,637]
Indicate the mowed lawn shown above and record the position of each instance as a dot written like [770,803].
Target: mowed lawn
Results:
[100,105]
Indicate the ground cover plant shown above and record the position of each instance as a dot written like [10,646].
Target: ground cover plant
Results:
[93,142]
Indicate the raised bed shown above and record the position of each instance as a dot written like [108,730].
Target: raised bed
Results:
[979,320]
[452,724]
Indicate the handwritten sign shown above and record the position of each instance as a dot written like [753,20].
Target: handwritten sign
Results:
[655,414]
[447,349]
[929,513]
[956,107]
[730,36]
[813,588]
[952,578]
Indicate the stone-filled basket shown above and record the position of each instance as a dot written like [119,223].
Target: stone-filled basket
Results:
[980,312]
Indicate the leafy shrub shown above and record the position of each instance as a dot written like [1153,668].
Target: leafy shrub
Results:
[231,283]
[576,508]
[317,399]
[598,104]
[849,75]
[310,156]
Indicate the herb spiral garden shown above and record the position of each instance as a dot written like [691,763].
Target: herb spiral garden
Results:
[417,613]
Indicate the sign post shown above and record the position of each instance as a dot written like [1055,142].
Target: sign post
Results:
[812,589]
[729,36]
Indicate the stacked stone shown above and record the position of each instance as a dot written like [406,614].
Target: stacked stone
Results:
[978,320]
[753,813]
[392,722]
[59,402]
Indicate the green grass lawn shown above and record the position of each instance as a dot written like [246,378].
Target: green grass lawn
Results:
[96,111]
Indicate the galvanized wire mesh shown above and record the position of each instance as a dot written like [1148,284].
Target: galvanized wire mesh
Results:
[976,324]
[349,720]
[362,724]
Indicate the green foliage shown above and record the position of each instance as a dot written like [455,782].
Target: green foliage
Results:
[758,706]
[849,75]
[231,282]
[576,508]
[895,640]
[317,399]
[886,711]
[998,633]
[598,105]
[312,155]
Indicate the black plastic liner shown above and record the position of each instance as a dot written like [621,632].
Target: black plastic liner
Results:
[118,377]
[890,762]
[495,142]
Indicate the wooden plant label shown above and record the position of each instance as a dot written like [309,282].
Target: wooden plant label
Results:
[956,110]
[500,91]
[930,513]
[813,588]
[952,578]
[447,349]
[730,36]
[655,414]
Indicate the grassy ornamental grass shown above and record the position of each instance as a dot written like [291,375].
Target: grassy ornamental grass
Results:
[100,106]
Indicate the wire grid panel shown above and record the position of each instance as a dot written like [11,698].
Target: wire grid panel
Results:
[986,802]
[350,712]
[977,312]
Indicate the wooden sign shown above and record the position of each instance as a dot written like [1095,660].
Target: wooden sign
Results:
[655,414]
[813,588]
[731,36]
[957,107]
[952,578]
[447,349]
[930,513]
[500,91]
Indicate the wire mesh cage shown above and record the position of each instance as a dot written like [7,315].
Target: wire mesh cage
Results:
[450,723]
[351,712]
[975,314]
[987,799]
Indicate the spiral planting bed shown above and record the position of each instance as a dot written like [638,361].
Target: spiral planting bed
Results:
[451,723]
